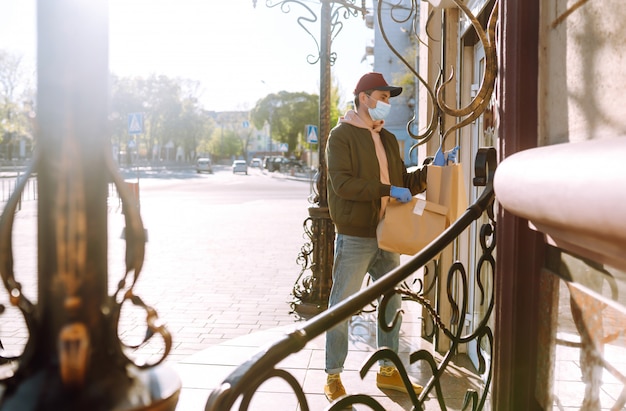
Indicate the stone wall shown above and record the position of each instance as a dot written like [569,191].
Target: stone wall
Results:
[582,59]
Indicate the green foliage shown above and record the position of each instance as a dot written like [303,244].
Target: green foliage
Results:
[288,114]
[225,143]
[334,105]
[172,116]
[405,77]
[16,105]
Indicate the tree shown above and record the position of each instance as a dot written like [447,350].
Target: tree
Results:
[225,142]
[191,126]
[16,104]
[287,114]
[172,116]
[334,104]
[125,99]
[245,136]
[232,137]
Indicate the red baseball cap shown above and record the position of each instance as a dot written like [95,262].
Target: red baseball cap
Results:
[375,81]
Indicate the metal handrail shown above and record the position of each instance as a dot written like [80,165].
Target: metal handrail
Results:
[247,377]
[9,183]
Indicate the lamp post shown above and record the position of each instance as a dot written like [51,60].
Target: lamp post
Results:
[312,289]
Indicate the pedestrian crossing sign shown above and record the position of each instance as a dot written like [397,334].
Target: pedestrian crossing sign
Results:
[311,134]
[135,123]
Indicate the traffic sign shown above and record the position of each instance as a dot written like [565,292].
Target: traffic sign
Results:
[283,148]
[311,133]
[135,123]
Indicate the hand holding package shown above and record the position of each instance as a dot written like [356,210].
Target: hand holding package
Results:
[401,194]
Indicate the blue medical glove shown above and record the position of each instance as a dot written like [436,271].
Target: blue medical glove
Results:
[440,159]
[451,155]
[401,194]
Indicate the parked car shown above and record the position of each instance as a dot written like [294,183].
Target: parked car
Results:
[269,165]
[240,166]
[256,162]
[284,164]
[203,165]
[273,164]
[293,164]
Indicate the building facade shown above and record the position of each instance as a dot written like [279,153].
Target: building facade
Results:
[540,82]
[397,28]
[555,107]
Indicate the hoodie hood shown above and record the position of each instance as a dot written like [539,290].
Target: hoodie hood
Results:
[374,128]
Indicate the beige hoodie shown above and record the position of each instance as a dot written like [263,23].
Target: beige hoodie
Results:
[352,117]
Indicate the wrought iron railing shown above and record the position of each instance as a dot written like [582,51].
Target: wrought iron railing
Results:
[244,381]
[241,385]
[8,185]
[74,365]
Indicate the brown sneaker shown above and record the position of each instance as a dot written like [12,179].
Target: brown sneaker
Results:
[334,388]
[389,378]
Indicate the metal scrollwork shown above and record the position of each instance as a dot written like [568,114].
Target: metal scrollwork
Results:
[413,16]
[303,285]
[453,329]
[247,377]
[481,100]
[13,287]
[244,381]
[74,343]
[344,9]
[135,251]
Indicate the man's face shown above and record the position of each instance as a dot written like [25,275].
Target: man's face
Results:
[377,95]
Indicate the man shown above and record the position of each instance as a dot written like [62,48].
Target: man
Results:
[364,169]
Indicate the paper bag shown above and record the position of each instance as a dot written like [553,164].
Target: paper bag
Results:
[445,185]
[406,228]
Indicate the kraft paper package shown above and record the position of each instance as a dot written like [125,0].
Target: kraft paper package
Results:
[446,187]
[406,228]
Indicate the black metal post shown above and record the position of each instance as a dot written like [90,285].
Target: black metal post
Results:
[322,228]
[311,291]
[73,359]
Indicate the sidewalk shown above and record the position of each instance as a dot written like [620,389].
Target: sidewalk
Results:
[204,371]
[218,311]
[240,333]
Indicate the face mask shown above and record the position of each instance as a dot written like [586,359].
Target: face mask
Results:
[379,112]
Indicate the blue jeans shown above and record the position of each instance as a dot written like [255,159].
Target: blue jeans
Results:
[354,258]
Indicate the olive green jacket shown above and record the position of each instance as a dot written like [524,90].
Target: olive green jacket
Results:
[354,187]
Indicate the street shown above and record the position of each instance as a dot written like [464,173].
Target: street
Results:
[221,253]
[220,258]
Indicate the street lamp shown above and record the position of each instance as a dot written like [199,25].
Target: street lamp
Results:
[311,290]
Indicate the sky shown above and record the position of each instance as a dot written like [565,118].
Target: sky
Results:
[238,53]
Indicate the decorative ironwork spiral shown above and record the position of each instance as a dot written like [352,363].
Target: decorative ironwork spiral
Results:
[304,283]
[344,9]
[244,381]
[72,262]
[479,103]
[453,328]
